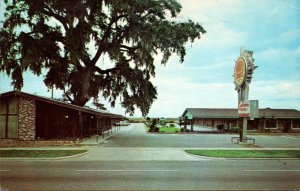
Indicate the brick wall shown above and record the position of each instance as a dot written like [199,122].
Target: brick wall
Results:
[8,143]
[27,110]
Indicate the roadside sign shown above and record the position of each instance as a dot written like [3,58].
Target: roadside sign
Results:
[240,71]
[244,109]
[248,108]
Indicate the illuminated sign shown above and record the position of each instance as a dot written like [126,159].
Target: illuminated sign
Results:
[240,72]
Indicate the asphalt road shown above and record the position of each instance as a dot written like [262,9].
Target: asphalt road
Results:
[201,175]
[134,160]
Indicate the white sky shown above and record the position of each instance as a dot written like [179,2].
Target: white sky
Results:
[270,28]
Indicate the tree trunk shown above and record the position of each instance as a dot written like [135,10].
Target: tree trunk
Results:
[83,95]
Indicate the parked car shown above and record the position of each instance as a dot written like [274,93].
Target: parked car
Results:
[123,123]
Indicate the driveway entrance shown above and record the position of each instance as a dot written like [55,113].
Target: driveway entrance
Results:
[135,135]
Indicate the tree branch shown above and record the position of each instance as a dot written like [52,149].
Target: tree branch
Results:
[107,71]
[105,36]
[128,48]
[68,97]
[51,13]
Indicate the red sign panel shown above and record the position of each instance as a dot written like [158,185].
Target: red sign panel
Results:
[244,109]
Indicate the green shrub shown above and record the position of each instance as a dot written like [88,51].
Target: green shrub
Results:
[235,129]
[170,121]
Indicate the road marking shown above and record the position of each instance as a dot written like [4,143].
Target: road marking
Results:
[127,170]
[5,170]
[272,170]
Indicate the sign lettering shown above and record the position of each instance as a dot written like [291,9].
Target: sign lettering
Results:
[248,109]
[244,109]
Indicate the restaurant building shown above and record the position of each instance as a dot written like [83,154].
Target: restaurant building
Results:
[25,116]
[269,120]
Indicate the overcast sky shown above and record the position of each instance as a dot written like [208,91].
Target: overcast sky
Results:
[270,28]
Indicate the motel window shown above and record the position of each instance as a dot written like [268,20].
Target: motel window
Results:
[12,126]
[2,126]
[296,124]
[9,118]
[253,125]
[2,119]
[2,107]
[12,106]
[271,124]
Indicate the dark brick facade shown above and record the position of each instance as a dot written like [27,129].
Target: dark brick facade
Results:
[27,118]
[30,118]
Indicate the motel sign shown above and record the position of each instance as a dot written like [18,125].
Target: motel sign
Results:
[248,109]
[243,70]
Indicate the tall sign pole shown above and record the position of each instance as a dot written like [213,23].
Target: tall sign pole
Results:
[243,71]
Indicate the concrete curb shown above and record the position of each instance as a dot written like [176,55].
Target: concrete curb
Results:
[34,159]
[246,148]
[222,158]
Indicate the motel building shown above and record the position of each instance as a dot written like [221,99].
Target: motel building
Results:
[268,120]
[28,117]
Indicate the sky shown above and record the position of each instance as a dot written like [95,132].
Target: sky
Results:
[269,28]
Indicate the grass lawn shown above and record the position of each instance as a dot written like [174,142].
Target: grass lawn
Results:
[166,129]
[169,129]
[247,153]
[39,153]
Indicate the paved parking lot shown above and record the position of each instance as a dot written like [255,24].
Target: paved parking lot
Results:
[135,135]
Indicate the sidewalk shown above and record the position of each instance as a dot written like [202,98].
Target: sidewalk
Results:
[136,154]
[63,145]
[95,140]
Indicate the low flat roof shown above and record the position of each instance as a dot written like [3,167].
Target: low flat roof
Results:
[233,113]
[61,103]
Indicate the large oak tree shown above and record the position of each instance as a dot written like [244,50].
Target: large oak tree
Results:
[56,36]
